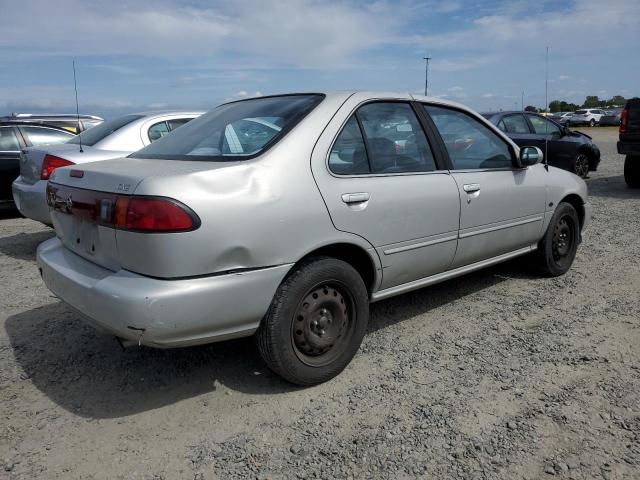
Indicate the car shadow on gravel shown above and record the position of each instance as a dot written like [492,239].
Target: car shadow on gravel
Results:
[611,187]
[23,245]
[87,373]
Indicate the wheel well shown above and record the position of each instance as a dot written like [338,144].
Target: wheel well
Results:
[355,256]
[578,204]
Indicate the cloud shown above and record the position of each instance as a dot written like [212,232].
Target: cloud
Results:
[488,95]
[306,33]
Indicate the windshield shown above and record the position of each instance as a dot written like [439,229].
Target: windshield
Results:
[99,132]
[233,131]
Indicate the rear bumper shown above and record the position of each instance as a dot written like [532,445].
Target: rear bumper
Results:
[629,148]
[31,199]
[160,313]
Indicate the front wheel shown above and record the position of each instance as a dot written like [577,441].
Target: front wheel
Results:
[580,165]
[632,171]
[558,247]
[316,321]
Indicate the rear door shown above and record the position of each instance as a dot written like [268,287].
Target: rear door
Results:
[381,178]
[9,160]
[502,206]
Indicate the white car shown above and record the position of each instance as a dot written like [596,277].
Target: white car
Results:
[588,116]
[112,139]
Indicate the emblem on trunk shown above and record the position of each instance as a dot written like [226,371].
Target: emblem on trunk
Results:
[123,187]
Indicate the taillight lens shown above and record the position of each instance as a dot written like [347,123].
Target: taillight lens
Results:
[50,163]
[623,121]
[124,212]
[152,215]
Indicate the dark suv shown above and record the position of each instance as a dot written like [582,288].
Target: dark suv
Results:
[629,143]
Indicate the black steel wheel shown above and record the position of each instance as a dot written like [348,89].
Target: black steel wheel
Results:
[558,247]
[581,165]
[316,321]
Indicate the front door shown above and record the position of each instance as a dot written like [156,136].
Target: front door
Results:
[502,206]
[381,179]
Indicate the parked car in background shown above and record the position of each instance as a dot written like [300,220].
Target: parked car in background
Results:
[71,122]
[292,231]
[589,116]
[561,117]
[112,139]
[629,142]
[566,149]
[14,136]
[611,118]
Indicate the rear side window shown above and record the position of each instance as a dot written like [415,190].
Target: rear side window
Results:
[581,112]
[45,136]
[234,131]
[100,132]
[158,131]
[8,140]
[382,137]
[470,144]
[516,124]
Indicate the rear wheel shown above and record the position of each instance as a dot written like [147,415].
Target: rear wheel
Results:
[316,321]
[581,165]
[558,247]
[592,123]
[632,171]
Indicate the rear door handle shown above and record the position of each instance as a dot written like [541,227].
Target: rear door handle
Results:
[471,187]
[355,197]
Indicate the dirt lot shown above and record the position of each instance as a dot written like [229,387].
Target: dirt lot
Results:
[501,374]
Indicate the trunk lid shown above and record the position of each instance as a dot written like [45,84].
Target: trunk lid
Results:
[81,196]
[31,158]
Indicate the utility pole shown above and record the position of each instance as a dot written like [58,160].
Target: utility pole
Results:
[426,76]
[522,102]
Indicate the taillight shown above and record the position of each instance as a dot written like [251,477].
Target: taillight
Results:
[148,214]
[623,120]
[50,163]
[124,212]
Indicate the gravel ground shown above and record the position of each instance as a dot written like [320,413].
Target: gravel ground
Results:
[500,374]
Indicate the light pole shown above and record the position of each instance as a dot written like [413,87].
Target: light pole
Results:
[522,102]
[426,76]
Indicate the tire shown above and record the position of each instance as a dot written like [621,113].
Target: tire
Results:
[316,321]
[580,165]
[557,249]
[632,171]
[592,123]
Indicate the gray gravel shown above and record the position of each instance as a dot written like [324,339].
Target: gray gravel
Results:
[500,374]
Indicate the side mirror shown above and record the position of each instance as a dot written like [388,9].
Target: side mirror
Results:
[530,156]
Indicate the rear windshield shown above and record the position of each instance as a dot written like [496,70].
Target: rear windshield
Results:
[99,132]
[233,131]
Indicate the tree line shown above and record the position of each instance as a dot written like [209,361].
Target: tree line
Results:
[592,101]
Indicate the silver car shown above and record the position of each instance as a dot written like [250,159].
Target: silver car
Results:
[315,206]
[113,139]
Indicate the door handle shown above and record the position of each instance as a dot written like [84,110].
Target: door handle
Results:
[360,197]
[471,187]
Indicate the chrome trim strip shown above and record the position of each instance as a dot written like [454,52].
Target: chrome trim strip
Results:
[500,227]
[391,251]
[441,277]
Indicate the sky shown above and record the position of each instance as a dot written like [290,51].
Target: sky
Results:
[194,54]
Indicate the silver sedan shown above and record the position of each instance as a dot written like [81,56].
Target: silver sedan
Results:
[113,139]
[285,216]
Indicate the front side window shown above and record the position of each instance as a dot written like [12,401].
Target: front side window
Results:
[470,144]
[233,131]
[8,140]
[45,136]
[542,126]
[516,124]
